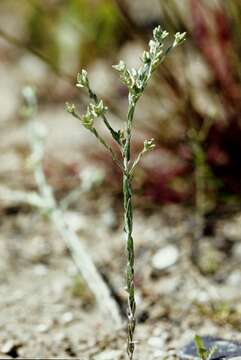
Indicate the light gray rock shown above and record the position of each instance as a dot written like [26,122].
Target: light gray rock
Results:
[165,257]
[225,349]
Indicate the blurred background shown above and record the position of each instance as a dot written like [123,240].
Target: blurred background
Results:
[45,43]
[192,108]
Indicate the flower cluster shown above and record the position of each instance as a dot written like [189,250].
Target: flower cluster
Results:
[154,56]
[70,108]
[97,110]
[179,38]
[127,76]
[93,111]
[148,145]
[82,79]
[136,80]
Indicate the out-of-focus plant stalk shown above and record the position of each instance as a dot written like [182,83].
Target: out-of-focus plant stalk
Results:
[47,204]
[203,179]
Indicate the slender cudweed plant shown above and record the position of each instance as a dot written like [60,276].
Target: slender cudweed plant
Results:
[136,81]
[205,182]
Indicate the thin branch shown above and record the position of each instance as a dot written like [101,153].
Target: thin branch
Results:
[70,198]
[9,197]
[89,126]
[136,162]
[108,147]
[114,133]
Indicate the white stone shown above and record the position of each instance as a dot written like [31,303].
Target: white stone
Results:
[165,257]
[43,328]
[234,278]
[67,318]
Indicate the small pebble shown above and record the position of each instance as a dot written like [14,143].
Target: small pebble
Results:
[165,257]
[234,278]
[42,328]
[67,318]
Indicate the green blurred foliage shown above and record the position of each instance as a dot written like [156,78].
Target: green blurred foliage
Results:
[92,24]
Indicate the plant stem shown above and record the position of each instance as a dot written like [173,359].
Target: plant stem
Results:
[128,220]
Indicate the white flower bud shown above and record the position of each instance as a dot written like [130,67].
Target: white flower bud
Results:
[97,109]
[146,57]
[159,34]
[82,79]
[87,120]
[179,38]
[70,108]
[164,34]
[149,145]
[152,46]
[120,67]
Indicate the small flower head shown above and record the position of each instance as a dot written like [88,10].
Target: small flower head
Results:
[134,73]
[164,34]
[98,109]
[82,79]
[70,108]
[126,75]
[148,145]
[146,57]
[179,38]
[153,46]
[159,34]
[120,67]
[87,120]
